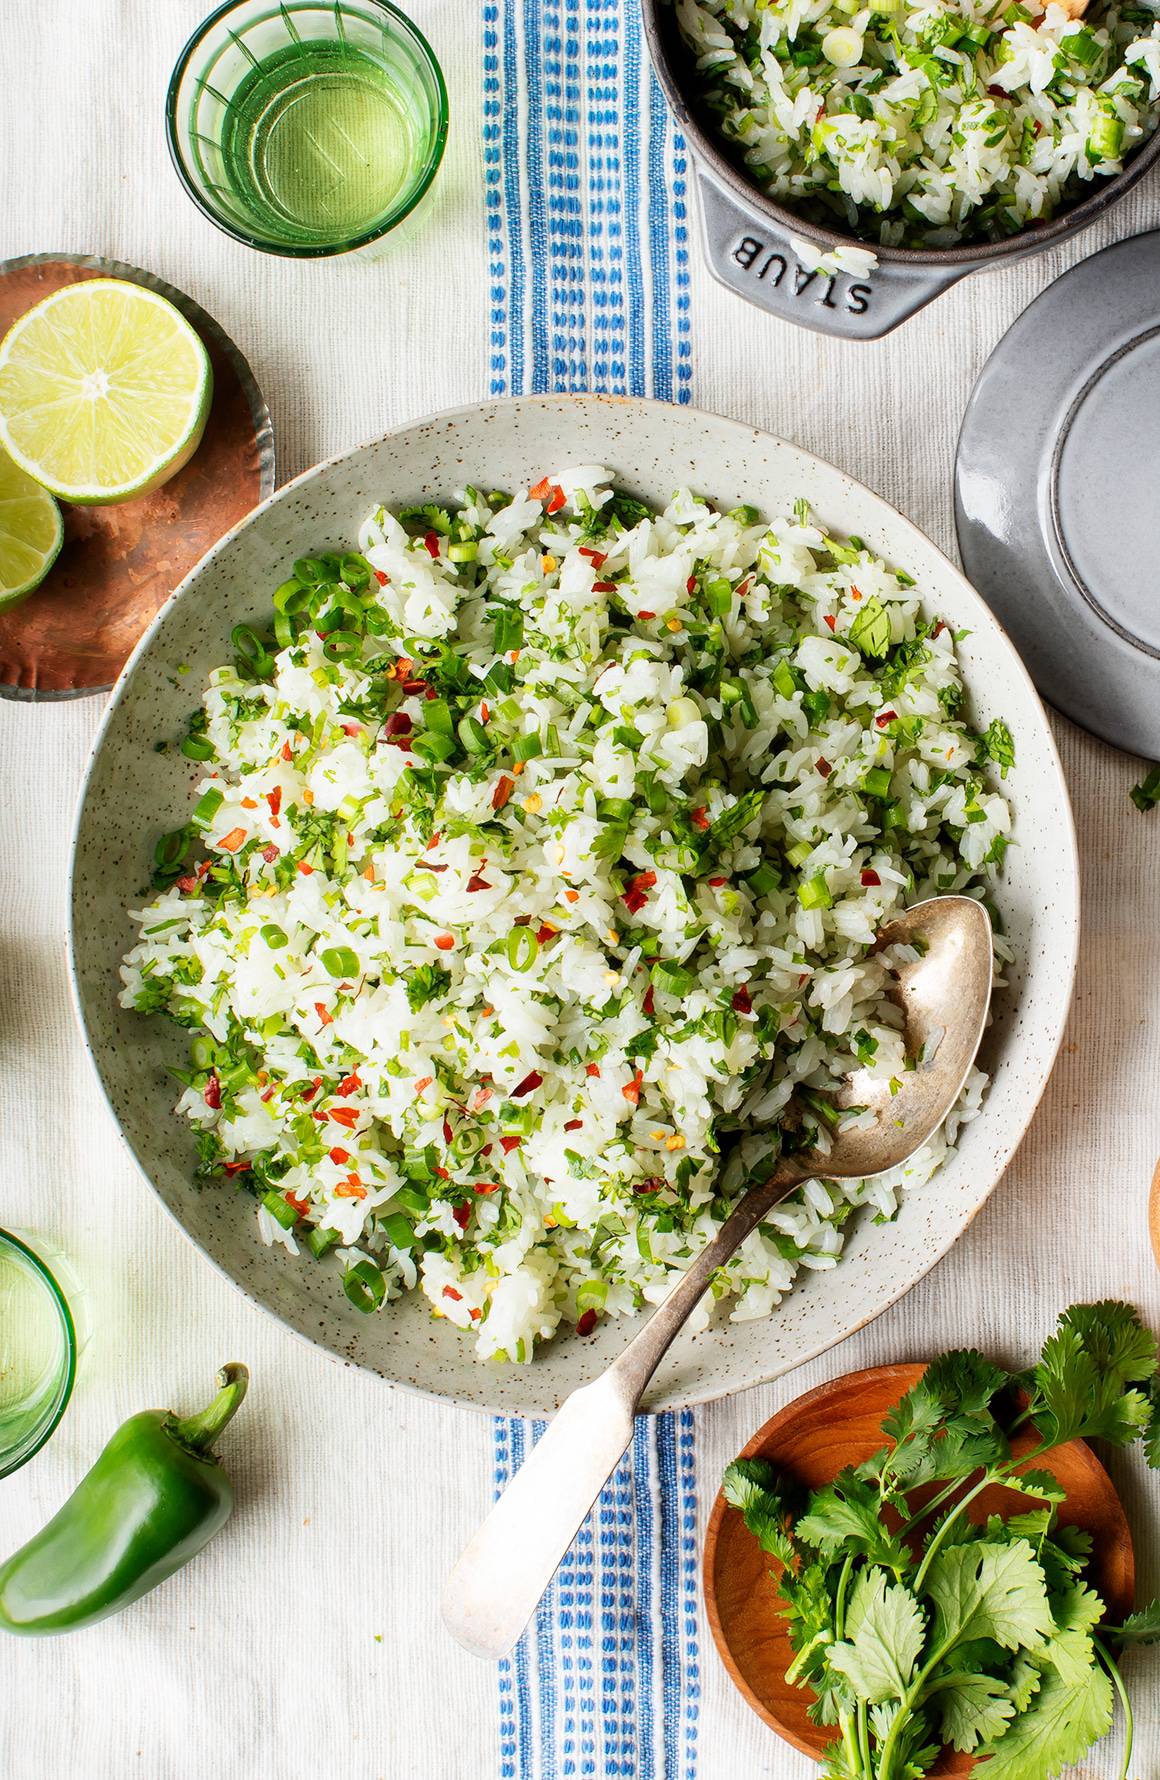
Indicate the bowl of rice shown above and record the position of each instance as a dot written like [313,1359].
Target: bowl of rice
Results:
[857,157]
[475,880]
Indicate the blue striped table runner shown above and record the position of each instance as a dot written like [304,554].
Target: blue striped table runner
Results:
[589,290]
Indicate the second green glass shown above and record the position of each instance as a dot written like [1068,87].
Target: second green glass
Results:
[308,128]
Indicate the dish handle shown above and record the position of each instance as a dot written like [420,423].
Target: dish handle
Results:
[757,258]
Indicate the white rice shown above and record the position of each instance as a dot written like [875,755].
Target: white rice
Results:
[487,1021]
[940,122]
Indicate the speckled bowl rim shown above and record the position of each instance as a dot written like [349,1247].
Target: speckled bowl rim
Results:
[1068,889]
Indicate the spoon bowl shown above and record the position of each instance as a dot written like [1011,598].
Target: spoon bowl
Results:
[938,957]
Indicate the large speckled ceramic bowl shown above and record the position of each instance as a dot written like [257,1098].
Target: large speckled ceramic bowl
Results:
[133,793]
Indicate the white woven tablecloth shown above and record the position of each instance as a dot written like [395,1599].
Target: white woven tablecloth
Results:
[304,1645]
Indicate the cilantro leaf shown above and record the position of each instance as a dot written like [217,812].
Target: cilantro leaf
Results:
[997,743]
[843,1517]
[944,1426]
[1142,1627]
[426,983]
[1084,1384]
[972,1709]
[1058,1726]
[1146,795]
[886,1630]
[870,631]
[750,1485]
[989,1591]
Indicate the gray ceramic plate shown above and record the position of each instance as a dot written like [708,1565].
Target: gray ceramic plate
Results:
[133,793]
[1056,492]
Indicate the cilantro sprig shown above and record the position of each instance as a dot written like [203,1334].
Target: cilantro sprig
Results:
[917,1627]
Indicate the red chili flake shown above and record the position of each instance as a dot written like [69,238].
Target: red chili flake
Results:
[274,799]
[716,883]
[287,751]
[586,1323]
[462,1215]
[344,1115]
[634,901]
[237,1167]
[311,1091]
[301,1206]
[267,1094]
[441,1173]
[351,728]
[433,867]
[631,1090]
[827,619]
[270,853]
[349,1085]
[431,544]
[885,717]
[597,558]
[339,1156]
[381,578]
[304,869]
[592,1069]
[741,1003]
[432,843]
[744,586]
[320,1116]
[486,1150]
[187,886]
[642,880]
[508,1144]
[449,1291]
[412,688]
[530,1083]
[698,817]
[870,879]
[502,792]
[691,584]
[325,1017]
[351,1188]
[423,1084]
[855,592]
[649,1002]
[541,490]
[939,628]
[475,882]
[475,1313]
[573,1124]
[604,587]
[545,933]
[212,1093]
[653,1184]
[230,842]
[445,942]
[823,766]
[646,615]
[480,1099]
[558,498]
[398,723]
[483,1187]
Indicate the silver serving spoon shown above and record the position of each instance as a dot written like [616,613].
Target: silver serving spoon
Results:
[944,994]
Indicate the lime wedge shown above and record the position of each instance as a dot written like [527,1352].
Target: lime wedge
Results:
[104,391]
[31,533]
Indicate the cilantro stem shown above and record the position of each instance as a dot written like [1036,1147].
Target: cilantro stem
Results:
[928,1556]
[1117,1680]
[840,1598]
[864,1760]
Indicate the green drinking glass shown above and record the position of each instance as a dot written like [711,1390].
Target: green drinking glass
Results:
[308,128]
[38,1352]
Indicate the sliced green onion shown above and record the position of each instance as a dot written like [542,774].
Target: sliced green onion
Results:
[763,880]
[437,716]
[784,679]
[280,1209]
[433,747]
[617,809]
[816,706]
[527,747]
[473,735]
[591,1294]
[523,948]
[400,1233]
[799,853]
[842,47]
[814,893]
[870,631]
[171,849]
[197,747]
[252,658]
[509,631]
[319,1241]
[465,552]
[719,597]
[1106,138]
[673,979]
[365,1286]
[877,782]
[208,805]
[340,961]
[203,1051]
[274,937]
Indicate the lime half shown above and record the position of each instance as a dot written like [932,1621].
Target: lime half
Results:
[104,391]
[31,532]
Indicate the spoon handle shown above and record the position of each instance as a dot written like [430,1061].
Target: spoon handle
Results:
[496,1586]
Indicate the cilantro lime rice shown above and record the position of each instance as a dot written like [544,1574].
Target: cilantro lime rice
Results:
[927,125]
[532,875]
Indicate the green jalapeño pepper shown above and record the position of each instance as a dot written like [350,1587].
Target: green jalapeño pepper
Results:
[155,1496]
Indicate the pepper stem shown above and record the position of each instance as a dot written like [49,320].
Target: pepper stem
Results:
[201,1430]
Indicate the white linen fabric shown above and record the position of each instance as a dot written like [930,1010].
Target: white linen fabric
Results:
[305,1644]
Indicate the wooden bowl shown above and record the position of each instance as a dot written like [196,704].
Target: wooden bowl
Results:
[811,1440]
